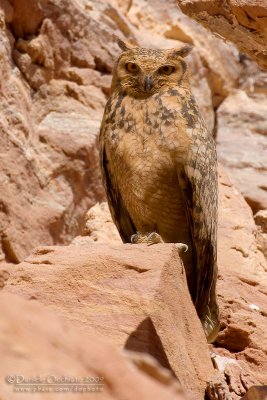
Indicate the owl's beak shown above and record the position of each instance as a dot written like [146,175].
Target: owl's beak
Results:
[148,83]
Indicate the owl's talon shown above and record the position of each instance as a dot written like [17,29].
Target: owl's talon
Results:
[154,238]
[182,247]
[138,238]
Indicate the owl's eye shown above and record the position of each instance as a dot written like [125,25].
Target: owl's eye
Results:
[166,69]
[131,67]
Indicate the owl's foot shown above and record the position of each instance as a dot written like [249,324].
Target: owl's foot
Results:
[154,238]
[149,238]
[138,238]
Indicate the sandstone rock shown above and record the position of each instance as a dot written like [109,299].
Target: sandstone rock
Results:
[262,242]
[149,365]
[242,22]
[52,101]
[99,226]
[261,221]
[134,296]
[218,388]
[37,345]
[252,78]
[240,350]
[242,141]
[231,381]
[242,285]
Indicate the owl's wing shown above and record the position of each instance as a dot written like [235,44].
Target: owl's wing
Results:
[198,180]
[117,208]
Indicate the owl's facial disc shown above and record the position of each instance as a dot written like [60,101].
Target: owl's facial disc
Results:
[142,77]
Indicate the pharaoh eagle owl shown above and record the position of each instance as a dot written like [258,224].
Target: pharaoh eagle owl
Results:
[159,166]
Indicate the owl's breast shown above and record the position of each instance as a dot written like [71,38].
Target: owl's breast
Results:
[148,183]
[147,179]
[149,124]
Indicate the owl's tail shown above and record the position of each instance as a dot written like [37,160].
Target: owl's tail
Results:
[211,320]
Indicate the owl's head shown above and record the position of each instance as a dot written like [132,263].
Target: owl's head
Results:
[142,72]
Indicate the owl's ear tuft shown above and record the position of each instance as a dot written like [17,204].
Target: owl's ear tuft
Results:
[182,52]
[124,46]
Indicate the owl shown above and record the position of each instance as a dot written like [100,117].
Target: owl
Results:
[159,166]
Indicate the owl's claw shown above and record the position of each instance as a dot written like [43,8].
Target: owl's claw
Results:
[138,238]
[154,238]
[182,247]
[149,238]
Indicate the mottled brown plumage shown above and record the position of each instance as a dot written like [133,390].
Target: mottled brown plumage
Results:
[159,165]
